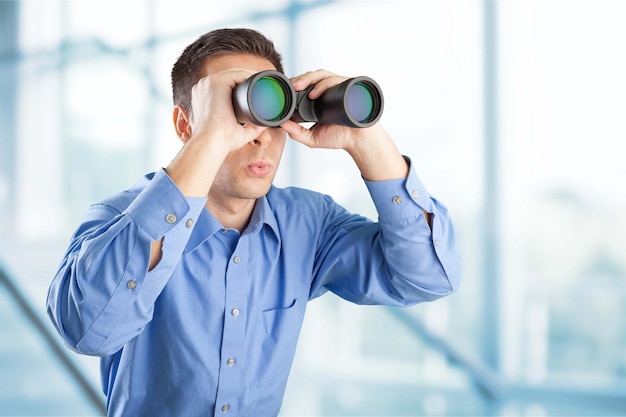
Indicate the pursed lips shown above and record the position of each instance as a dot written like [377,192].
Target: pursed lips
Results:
[259,168]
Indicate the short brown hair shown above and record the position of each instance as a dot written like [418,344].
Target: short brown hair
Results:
[189,68]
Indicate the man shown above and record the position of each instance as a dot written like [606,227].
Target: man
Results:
[192,285]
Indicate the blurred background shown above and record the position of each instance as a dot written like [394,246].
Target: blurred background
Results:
[513,113]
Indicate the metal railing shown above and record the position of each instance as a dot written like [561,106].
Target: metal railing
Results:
[51,340]
[497,390]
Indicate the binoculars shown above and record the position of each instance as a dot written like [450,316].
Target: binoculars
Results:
[268,99]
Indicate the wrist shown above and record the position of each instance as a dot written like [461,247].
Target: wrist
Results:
[377,157]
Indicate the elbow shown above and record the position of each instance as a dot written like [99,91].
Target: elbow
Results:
[89,344]
[429,285]
[446,281]
[429,294]
[444,278]
[62,318]
[66,329]
[71,329]
[59,318]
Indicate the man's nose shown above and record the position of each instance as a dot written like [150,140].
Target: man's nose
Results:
[264,139]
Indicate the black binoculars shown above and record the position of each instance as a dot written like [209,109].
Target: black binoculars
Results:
[268,99]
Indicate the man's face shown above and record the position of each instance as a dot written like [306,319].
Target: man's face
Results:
[248,172]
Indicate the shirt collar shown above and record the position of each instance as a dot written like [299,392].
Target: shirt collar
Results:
[262,215]
[207,225]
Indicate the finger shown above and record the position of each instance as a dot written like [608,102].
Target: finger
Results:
[324,84]
[233,77]
[321,80]
[302,81]
[298,132]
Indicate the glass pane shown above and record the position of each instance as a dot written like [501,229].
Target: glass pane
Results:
[564,228]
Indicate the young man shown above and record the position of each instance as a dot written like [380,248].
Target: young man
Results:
[192,285]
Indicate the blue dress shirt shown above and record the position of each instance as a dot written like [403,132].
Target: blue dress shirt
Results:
[212,329]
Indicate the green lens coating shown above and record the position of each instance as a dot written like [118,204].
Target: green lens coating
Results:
[360,102]
[268,98]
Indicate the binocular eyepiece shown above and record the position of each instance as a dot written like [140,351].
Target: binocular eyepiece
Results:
[268,99]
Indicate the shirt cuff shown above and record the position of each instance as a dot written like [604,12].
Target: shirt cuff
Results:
[400,199]
[161,206]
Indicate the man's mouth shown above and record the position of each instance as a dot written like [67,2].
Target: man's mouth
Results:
[259,169]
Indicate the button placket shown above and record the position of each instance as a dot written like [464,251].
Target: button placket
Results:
[232,358]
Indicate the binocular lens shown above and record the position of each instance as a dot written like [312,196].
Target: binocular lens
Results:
[360,102]
[268,98]
[265,99]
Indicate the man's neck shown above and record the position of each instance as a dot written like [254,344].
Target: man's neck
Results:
[232,214]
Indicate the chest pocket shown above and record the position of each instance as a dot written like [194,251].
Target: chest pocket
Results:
[277,338]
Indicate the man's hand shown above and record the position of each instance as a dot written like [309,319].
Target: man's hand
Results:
[212,116]
[209,132]
[371,148]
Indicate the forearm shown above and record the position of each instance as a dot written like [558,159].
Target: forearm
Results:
[419,251]
[377,156]
[194,169]
[378,159]
[102,294]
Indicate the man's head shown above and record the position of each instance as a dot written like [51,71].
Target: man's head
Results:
[189,68]
[247,172]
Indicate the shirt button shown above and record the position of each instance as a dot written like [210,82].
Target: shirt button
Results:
[234,312]
[170,218]
[415,193]
[236,259]
[436,242]
[189,223]
[397,199]
[225,408]
[131,284]
[230,362]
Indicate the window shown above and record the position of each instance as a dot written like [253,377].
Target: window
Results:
[510,111]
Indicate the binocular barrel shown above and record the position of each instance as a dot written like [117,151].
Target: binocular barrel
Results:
[268,99]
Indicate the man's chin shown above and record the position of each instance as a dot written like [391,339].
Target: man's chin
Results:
[256,192]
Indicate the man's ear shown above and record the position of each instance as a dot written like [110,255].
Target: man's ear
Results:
[182,123]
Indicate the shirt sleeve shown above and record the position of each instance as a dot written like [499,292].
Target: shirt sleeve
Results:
[103,294]
[399,260]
